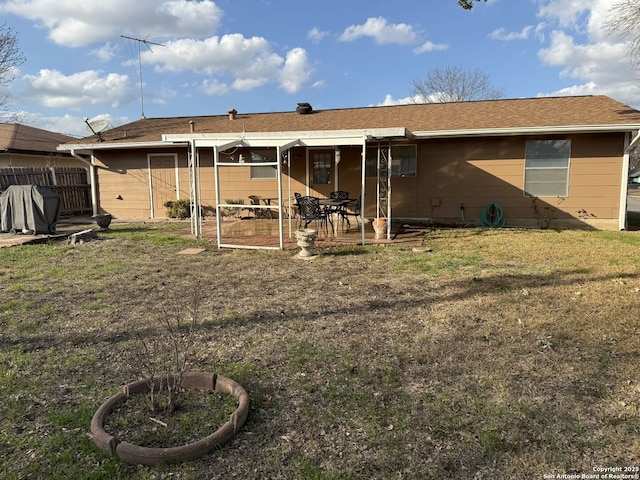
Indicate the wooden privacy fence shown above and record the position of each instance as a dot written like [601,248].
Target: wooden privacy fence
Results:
[70,183]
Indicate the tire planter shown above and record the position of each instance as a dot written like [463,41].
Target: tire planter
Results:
[137,455]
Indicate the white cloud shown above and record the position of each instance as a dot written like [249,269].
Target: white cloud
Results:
[316,35]
[244,84]
[213,87]
[296,71]
[233,53]
[584,51]
[389,100]
[566,12]
[430,47]
[505,36]
[72,125]
[382,32]
[73,24]
[161,96]
[105,52]
[55,90]
[250,61]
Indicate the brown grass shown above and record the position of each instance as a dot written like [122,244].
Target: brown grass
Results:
[500,354]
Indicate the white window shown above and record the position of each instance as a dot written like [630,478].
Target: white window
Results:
[546,170]
[404,161]
[322,168]
[267,171]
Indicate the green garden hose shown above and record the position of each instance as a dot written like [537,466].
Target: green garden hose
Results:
[492,216]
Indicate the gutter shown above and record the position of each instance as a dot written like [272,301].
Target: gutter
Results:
[557,129]
[115,146]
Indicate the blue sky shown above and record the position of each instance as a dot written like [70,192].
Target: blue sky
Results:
[268,55]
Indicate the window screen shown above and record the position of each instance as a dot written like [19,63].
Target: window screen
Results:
[546,172]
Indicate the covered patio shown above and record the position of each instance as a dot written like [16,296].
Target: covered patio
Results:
[264,233]
[282,228]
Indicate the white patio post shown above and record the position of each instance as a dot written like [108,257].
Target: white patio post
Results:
[363,178]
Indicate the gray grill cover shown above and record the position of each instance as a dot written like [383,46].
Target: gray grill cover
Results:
[29,207]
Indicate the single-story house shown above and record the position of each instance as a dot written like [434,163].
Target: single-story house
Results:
[25,146]
[562,160]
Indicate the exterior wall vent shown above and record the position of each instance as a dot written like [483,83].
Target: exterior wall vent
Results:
[304,108]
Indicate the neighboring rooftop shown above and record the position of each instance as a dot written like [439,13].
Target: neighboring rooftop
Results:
[581,111]
[15,137]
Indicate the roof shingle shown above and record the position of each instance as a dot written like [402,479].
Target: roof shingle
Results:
[493,114]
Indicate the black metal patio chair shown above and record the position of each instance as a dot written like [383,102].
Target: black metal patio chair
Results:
[352,209]
[310,211]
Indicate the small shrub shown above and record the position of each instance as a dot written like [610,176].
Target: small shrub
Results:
[544,214]
[230,211]
[166,355]
[180,208]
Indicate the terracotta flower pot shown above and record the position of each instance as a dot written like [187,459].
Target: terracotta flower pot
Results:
[139,455]
[380,227]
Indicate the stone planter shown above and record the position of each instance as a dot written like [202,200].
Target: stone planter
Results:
[103,220]
[139,455]
[380,227]
[306,240]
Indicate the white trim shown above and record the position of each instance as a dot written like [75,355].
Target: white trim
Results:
[117,145]
[624,181]
[340,137]
[542,130]
[317,138]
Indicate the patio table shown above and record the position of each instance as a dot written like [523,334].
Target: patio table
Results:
[335,206]
[267,201]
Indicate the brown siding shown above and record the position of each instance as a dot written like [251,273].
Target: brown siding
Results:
[477,172]
[450,172]
[123,180]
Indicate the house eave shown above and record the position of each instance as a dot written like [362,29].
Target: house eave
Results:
[340,137]
[114,146]
[543,130]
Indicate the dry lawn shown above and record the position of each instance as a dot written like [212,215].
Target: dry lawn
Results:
[505,354]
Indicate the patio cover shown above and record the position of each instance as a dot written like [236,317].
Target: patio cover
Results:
[29,207]
[282,141]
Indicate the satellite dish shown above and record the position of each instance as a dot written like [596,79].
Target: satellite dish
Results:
[96,127]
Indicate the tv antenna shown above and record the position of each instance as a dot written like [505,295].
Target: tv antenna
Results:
[97,127]
[146,43]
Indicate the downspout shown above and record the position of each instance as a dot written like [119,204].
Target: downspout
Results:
[279,175]
[363,178]
[389,219]
[624,181]
[92,180]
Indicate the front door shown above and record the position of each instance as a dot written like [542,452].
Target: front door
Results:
[322,171]
[164,180]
